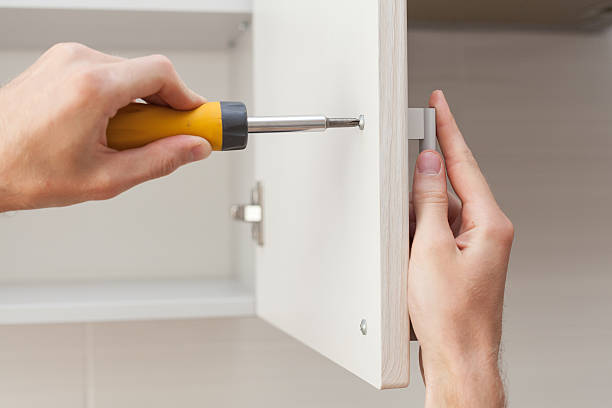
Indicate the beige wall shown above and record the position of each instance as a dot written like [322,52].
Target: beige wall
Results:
[535,107]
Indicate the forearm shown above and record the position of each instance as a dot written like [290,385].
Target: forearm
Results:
[7,191]
[4,191]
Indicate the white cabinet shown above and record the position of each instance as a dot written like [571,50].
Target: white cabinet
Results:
[333,269]
[167,248]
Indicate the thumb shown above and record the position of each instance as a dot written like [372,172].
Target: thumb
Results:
[158,159]
[429,195]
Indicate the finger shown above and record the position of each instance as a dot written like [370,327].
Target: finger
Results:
[463,171]
[157,159]
[454,213]
[411,220]
[421,365]
[454,207]
[153,75]
[430,199]
[155,100]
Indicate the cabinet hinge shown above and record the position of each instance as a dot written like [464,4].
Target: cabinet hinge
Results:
[252,213]
[422,127]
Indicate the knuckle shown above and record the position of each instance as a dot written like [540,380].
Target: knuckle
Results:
[430,197]
[164,166]
[508,229]
[163,63]
[89,83]
[500,229]
[68,49]
[104,187]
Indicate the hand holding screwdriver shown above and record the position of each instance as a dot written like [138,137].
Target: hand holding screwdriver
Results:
[53,119]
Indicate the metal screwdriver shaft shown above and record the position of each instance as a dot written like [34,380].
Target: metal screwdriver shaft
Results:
[267,124]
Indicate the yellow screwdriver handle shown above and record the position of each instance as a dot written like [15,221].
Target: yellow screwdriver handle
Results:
[137,124]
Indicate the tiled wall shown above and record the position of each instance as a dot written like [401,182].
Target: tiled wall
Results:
[42,366]
[181,363]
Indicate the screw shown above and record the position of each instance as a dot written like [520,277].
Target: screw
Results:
[243,26]
[363,326]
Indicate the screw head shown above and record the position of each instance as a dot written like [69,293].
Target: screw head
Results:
[363,326]
[243,26]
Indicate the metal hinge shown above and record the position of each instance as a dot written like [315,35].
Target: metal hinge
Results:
[422,127]
[252,213]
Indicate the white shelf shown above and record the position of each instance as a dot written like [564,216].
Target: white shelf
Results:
[115,25]
[236,6]
[119,300]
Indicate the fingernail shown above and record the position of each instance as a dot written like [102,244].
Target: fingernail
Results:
[199,151]
[428,162]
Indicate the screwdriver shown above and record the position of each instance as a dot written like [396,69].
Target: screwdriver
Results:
[225,125]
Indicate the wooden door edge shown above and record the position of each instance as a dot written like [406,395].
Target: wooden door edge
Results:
[394,193]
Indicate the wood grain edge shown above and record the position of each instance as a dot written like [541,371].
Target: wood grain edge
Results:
[394,193]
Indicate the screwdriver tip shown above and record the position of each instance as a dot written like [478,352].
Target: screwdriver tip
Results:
[345,122]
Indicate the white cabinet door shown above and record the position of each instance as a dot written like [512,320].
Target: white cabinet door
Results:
[336,203]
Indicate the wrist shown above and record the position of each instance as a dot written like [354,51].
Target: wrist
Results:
[463,380]
[474,390]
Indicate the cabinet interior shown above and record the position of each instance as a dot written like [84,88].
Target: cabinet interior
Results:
[167,248]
